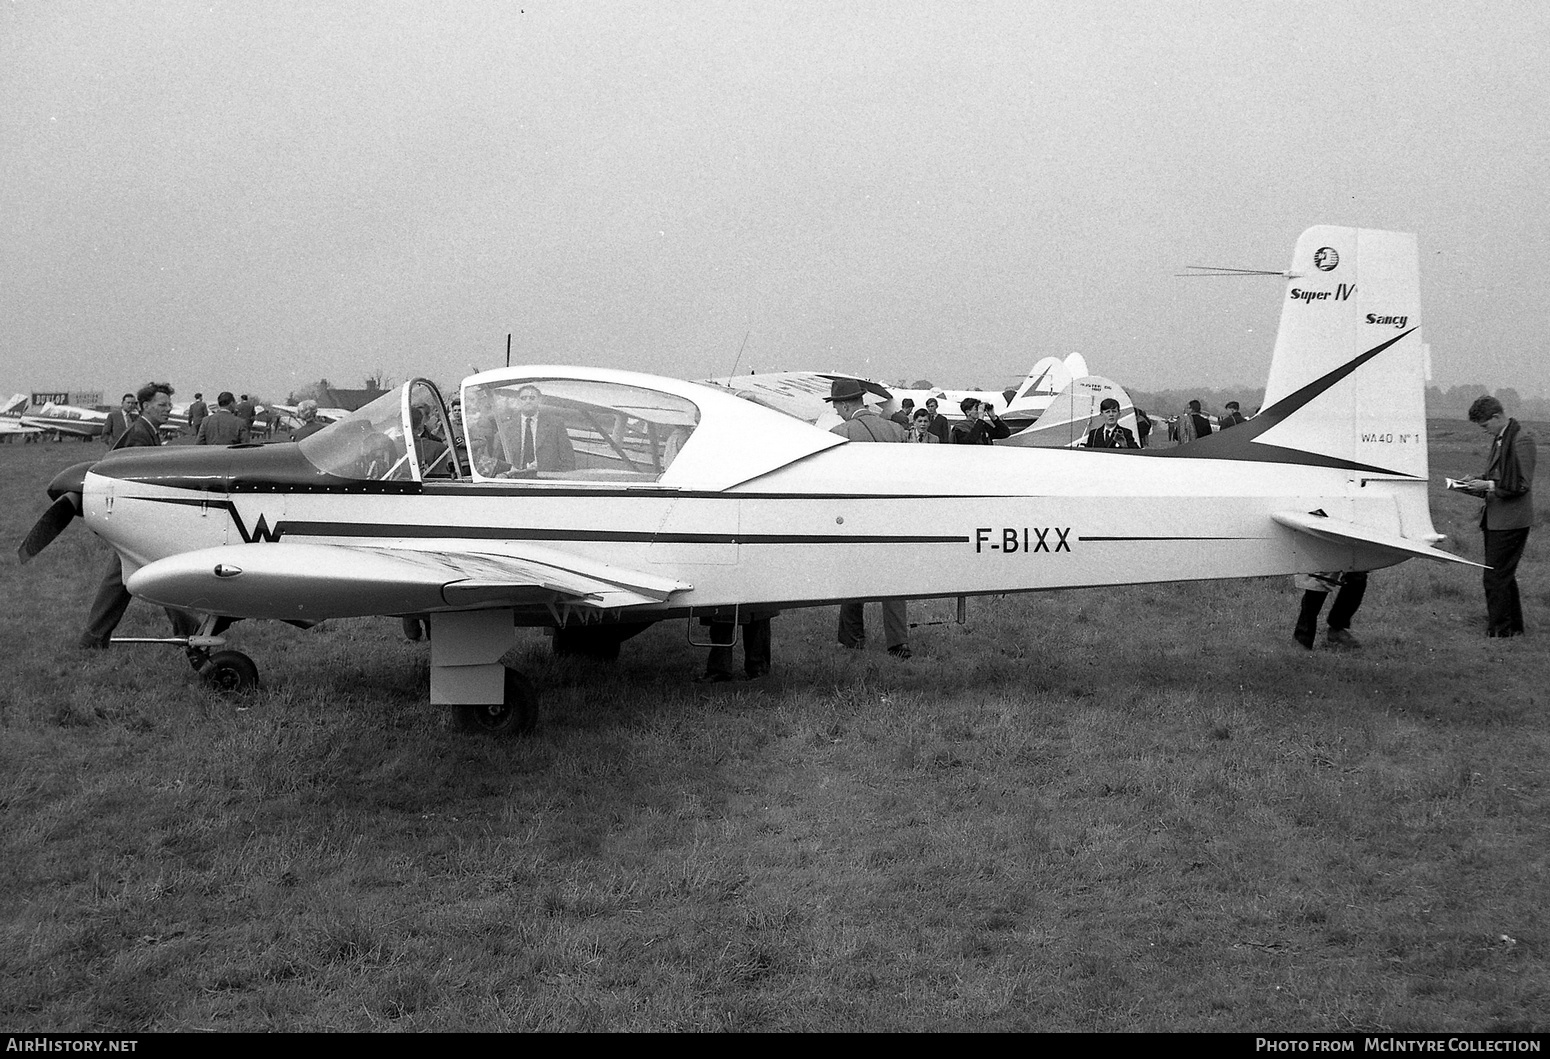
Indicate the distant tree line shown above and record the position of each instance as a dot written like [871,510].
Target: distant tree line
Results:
[1450,403]
[1454,402]
[1172,402]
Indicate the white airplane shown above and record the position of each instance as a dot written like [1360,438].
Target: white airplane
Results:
[801,393]
[11,417]
[1018,407]
[84,423]
[669,499]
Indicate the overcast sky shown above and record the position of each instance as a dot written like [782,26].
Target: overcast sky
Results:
[252,195]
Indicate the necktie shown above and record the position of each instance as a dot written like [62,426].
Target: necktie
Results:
[527,440]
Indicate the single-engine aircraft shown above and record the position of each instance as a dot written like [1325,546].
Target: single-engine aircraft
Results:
[636,499]
[1018,406]
[83,423]
[11,417]
[801,394]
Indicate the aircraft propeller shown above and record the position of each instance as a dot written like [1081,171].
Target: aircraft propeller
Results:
[65,491]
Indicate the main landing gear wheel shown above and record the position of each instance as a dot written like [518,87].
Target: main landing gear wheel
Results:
[230,672]
[518,715]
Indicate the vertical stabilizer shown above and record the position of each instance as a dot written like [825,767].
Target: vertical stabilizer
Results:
[1348,377]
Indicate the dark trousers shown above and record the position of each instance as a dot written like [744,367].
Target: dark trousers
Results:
[896,623]
[107,610]
[1352,588]
[1503,549]
[756,647]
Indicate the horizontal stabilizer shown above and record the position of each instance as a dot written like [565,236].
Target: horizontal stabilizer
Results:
[1342,532]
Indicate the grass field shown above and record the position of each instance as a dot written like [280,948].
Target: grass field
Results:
[1135,809]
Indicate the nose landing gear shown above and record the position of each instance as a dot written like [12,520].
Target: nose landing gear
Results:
[227,672]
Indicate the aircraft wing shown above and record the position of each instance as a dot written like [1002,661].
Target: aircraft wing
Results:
[799,394]
[1318,524]
[317,581]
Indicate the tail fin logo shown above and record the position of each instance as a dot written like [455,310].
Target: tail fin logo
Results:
[1326,258]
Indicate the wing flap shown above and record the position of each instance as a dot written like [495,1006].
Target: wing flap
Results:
[1343,532]
[317,581]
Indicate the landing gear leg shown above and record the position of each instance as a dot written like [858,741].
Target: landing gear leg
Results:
[467,673]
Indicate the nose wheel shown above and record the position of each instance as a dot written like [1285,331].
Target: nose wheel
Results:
[228,672]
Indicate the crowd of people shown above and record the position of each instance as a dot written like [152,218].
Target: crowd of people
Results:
[235,420]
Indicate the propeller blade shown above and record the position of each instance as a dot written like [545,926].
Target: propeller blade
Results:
[59,515]
[70,480]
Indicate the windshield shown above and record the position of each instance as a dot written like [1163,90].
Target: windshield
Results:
[368,443]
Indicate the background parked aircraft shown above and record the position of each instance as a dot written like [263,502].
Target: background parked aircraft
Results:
[1072,413]
[1018,406]
[11,417]
[65,419]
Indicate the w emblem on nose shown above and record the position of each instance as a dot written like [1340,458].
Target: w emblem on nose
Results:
[261,530]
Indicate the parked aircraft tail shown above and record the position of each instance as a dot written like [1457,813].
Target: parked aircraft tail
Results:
[1348,377]
[1346,390]
[1072,413]
[1047,378]
[15,406]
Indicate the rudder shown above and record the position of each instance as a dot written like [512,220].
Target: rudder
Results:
[1348,377]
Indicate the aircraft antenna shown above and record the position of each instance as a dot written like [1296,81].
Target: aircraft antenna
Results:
[1218,270]
[739,358]
[508,349]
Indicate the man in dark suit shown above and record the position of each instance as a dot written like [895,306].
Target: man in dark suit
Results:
[536,441]
[246,411]
[1506,487]
[1233,416]
[980,424]
[1349,589]
[863,424]
[1110,435]
[223,426]
[119,420]
[196,413]
[939,426]
[107,610]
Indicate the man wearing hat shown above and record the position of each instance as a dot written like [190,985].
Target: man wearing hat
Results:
[862,423]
